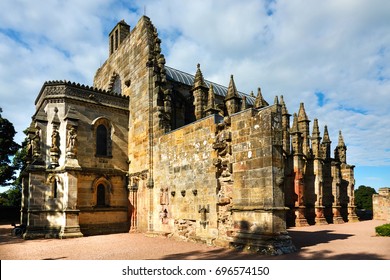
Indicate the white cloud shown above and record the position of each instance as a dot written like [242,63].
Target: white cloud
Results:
[295,48]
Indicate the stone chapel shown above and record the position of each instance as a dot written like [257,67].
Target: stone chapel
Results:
[149,148]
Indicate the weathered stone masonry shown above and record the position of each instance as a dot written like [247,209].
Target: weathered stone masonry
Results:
[152,149]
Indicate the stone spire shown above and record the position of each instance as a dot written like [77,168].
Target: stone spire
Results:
[296,136]
[302,113]
[232,99]
[232,90]
[303,124]
[260,101]
[210,110]
[284,108]
[276,100]
[340,153]
[341,140]
[295,128]
[199,80]
[285,126]
[316,129]
[326,138]
[316,140]
[326,144]
[199,91]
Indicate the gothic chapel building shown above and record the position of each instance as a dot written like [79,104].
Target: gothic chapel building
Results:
[149,148]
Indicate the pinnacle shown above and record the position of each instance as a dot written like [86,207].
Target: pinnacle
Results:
[316,129]
[199,80]
[211,99]
[260,102]
[284,108]
[232,90]
[302,113]
[326,138]
[341,140]
[295,128]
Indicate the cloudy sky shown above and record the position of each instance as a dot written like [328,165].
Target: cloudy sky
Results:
[332,55]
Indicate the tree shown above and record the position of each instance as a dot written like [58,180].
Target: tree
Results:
[13,196]
[363,197]
[8,148]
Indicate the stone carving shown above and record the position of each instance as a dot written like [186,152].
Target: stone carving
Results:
[36,144]
[164,196]
[71,144]
[222,145]
[164,201]
[203,210]
[55,147]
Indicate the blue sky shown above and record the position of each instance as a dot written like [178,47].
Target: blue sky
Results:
[332,55]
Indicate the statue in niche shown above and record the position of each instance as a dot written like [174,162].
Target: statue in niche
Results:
[71,145]
[55,139]
[36,144]
[164,215]
[164,196]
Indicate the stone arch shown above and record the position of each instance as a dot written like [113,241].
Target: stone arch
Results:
[102,190]
[55,182]
[103,131]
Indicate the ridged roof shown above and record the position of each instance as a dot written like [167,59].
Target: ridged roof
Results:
[188,79]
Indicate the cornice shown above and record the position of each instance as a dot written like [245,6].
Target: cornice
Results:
[59,90]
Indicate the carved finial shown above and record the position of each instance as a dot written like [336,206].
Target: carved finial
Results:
[284,108]
[295,128]
[199,80]
[302,113]
[232,90]
[326,138]
[260,102]
[276,100]
[341,140]
[211,98]
[316,129]
[210,110]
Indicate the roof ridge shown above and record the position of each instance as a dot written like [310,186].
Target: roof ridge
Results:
[210,82]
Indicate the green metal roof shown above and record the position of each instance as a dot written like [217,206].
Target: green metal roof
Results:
[188,79]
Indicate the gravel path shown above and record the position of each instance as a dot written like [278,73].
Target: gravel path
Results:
[350,241]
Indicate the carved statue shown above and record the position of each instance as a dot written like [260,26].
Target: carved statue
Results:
[164,196]
[71,145]
[55,139]
[36,144]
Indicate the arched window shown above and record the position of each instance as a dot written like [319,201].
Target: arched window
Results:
[103,131]
[101,140]
[100,195]
[55,188]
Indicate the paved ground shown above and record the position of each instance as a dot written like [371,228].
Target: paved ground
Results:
[350,241]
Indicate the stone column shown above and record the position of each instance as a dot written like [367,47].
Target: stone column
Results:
[70,227]
[336,208]
[318,188]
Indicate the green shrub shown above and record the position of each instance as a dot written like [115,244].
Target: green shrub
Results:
[383,230]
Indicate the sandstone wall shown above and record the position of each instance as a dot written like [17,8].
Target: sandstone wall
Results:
[185,181]
[381,204]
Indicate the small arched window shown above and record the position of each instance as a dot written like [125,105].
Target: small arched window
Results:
[103,131]
[100,195]
[101,140]
[55,188]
